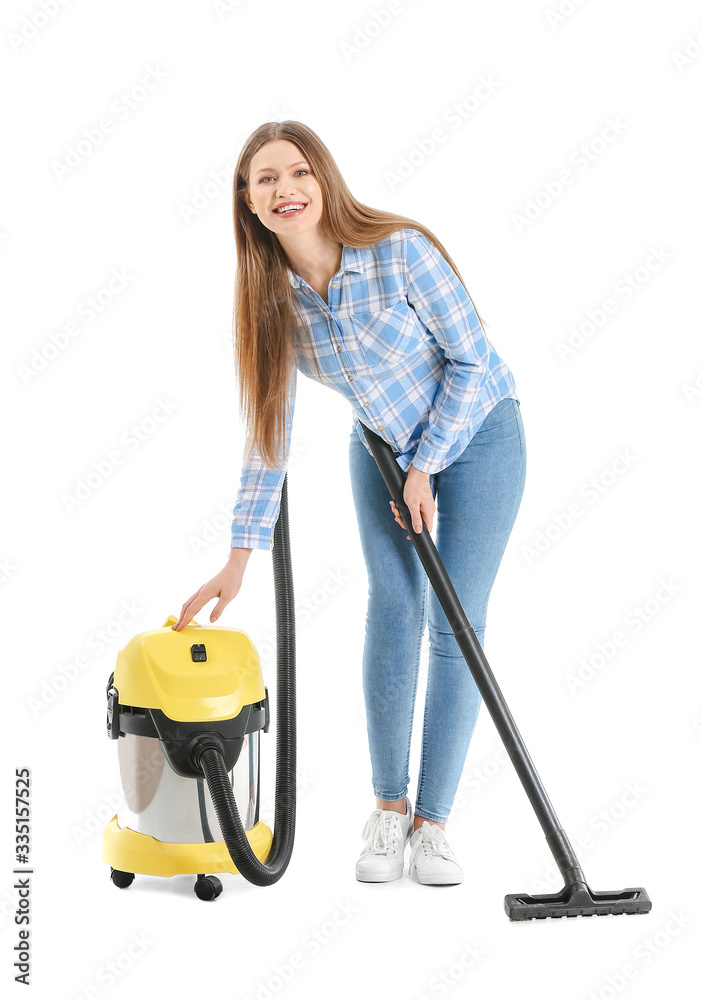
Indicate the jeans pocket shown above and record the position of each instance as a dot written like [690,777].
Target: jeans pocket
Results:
[504,411]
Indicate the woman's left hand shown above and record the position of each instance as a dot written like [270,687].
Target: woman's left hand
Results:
[418,497]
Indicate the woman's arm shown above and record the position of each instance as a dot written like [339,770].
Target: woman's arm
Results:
[443,305]
[258,500]
[419,499]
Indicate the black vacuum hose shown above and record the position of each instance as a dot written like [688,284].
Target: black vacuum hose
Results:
[211,761]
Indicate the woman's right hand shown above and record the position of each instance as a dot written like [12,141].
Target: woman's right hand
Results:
[225,585]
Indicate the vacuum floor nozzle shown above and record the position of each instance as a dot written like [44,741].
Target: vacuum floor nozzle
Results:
[576,900]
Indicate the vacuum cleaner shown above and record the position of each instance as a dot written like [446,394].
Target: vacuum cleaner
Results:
[187,710]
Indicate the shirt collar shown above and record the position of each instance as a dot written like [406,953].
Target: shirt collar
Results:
[352,259]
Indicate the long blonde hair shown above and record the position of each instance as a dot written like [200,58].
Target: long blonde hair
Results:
[267,322]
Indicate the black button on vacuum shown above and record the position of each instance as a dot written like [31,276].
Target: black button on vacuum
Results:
[199,652]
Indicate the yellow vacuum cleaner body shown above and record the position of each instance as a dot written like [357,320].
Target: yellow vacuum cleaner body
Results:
[170,693]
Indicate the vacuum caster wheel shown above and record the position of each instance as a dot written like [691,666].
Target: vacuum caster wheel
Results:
[208,887]
[121,879]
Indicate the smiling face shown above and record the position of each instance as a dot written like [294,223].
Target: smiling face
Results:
[281,177]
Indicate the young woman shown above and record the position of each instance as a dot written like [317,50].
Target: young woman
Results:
[370,304]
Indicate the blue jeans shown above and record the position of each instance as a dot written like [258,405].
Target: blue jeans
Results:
[477,499]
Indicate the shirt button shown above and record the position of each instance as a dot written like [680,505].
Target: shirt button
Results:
[366,402]
[350,378]
[380,427]
[338,347]
[333,284]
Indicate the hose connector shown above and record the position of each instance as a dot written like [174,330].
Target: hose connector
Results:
[204,742]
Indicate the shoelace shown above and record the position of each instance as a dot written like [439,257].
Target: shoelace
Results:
[434,841]
[380,824]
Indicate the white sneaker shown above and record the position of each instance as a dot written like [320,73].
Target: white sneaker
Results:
[387,833]
[432,862]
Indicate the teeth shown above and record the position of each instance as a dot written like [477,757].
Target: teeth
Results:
[288,208]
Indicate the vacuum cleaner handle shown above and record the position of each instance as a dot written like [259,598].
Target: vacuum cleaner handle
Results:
[172,619]
[466,639]
[395,480]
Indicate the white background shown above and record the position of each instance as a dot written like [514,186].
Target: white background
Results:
[153,200]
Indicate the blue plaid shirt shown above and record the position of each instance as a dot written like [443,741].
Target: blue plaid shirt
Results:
[400,339]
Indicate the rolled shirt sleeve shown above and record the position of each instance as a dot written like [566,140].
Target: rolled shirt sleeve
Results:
[257,504]
[443,305]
